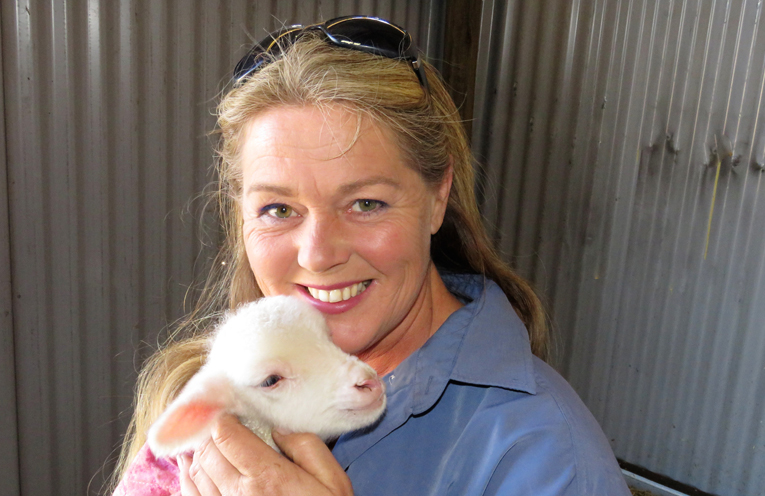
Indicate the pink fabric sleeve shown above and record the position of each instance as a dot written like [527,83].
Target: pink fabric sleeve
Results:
[149,476]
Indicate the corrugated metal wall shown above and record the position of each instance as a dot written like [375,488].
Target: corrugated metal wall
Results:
[106,109]
[596,121]
[624,147]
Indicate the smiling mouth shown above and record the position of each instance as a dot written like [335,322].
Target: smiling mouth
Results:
[340,294]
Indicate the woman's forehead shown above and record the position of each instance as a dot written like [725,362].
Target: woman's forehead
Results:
[290,138]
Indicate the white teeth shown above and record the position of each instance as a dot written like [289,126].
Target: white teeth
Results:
[337,295]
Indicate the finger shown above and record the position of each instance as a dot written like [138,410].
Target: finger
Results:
[310,453]
[243,450]
[201,480]
[214,470]
[188,488]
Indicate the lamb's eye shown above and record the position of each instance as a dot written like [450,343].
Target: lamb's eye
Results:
[270,381]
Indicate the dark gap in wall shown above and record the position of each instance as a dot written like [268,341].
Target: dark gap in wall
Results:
[662,479]
[461,34]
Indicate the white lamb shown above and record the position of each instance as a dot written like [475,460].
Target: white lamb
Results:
[272,364]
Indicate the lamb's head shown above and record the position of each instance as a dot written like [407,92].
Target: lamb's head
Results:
[273,364]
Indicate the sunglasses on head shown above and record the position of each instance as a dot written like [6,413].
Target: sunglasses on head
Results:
[367,34]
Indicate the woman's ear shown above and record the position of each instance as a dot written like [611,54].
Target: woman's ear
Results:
[441,199]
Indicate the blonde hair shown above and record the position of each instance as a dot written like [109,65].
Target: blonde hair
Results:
[431,137]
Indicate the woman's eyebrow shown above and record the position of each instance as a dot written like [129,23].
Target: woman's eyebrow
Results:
[345,189]
[269,188]
[371,181]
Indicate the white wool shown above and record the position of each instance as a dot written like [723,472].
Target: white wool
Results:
[321,389]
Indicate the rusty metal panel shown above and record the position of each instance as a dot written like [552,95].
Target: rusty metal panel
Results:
[107,110]
[623,146]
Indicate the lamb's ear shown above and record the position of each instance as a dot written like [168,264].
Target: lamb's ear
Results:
[186,422]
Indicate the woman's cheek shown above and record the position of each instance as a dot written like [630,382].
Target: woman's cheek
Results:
[396,242]
[269,252]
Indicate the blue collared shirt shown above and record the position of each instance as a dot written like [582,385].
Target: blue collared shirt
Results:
[473,412]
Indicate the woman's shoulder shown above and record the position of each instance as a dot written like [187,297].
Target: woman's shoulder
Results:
[555,444]
[588,438]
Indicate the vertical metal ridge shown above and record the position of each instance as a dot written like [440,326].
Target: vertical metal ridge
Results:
[750,463]
[502,19]
[591,104]
[9,438]
[711,339]
[179,108]
[597,216]
[538,181]
[125,313]
[659,429]
[665,140]
[33,385]
[167,94]
[696,377]
[658,36]
[731,310]
[98,455]
[612,260]
[557,157]
[755,430]
[562,253]
[676,408]
[61,191]
[518,188]
[93,264]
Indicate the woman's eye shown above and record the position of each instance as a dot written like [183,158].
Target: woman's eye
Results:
[366,205]
[279,211]
[270,381]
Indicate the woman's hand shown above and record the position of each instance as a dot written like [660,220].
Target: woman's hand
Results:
[235,462]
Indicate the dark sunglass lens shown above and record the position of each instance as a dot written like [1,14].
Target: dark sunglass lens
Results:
[248,63]
[384,38]
[269,49]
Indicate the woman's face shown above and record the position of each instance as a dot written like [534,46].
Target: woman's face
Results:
[345,226]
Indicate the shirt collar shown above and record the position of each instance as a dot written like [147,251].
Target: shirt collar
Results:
[483,343]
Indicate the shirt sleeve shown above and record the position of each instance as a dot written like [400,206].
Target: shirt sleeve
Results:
[540,467]
[150,476]
[561,451]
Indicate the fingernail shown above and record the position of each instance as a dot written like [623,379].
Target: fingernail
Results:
[281,431]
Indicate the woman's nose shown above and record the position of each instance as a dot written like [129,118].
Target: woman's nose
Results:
[322,244]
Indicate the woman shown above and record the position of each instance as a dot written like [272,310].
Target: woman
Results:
[346,180]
